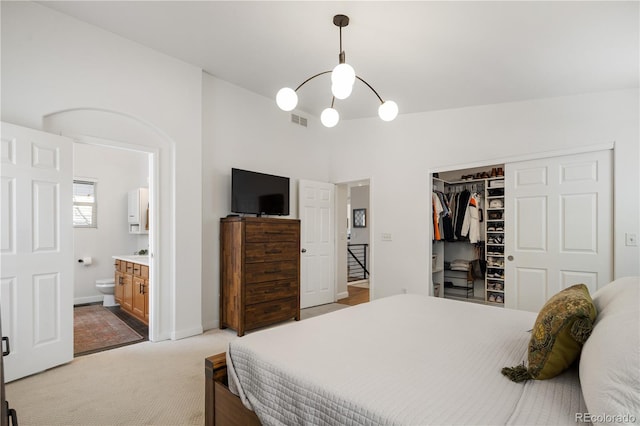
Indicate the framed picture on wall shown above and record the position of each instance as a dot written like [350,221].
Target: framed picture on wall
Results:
[359,218]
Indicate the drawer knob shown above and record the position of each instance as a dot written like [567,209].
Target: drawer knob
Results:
[304,250]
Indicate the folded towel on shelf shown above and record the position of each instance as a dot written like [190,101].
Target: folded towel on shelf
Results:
[460,265]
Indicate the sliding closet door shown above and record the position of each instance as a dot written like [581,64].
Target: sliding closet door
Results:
[558,225]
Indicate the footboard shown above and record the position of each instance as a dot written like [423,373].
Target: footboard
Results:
[222,407]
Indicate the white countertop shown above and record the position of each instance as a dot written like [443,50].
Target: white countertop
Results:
[134,258]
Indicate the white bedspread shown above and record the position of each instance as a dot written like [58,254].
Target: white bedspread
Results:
[400,360]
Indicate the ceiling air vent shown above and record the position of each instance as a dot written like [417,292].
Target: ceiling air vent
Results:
[299,120]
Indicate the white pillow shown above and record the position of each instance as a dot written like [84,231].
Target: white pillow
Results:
[610,358]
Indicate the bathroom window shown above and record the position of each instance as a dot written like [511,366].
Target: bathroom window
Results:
[85,207]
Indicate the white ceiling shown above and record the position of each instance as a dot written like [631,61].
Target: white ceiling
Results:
[423,55]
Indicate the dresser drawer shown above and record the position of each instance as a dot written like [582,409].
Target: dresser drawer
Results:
[257,232]
[273,290]
[270,252]
[269,312]
[270,271]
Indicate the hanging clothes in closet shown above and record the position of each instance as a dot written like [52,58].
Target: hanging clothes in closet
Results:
[462,201]
[471,223]
[466,216]
[441,216]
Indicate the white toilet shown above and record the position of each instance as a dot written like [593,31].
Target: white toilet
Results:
[106,287]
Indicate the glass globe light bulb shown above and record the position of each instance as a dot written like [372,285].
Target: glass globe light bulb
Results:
[287,99]
[343,75]
[341,91]
[388,110]
[329,117]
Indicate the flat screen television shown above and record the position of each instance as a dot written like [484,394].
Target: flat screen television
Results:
[259,193]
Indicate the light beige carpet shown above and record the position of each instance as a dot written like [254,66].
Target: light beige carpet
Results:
[143,384]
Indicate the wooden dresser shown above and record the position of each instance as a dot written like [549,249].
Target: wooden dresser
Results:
[259,272]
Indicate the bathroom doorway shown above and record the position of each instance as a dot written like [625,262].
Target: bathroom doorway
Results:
[108,181]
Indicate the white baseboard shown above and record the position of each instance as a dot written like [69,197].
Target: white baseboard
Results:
[342,295]
[88,299]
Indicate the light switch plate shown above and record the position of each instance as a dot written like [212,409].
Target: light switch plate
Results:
[386,236]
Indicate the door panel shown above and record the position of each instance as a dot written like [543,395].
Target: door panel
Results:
[530,291]
[531,223]
[316,207]
[558,226]
[37,249]
[579,225]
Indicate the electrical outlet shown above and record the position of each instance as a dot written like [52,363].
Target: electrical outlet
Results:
[386,236]
[630,240]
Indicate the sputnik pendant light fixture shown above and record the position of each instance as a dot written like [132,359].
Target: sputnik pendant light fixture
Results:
[343,77]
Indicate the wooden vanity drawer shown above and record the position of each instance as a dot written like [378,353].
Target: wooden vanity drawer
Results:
[270,271]
[144,271]
[269,312]
[136,269]
[129,268]
[270,252]
[121,265]
[268,291]
[256,232]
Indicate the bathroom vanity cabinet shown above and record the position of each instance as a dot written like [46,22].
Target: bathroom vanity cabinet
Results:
[132,288]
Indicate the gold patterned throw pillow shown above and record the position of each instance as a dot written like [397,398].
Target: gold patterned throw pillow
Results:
[561,328]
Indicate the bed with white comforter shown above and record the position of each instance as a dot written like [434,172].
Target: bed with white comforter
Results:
[400,360]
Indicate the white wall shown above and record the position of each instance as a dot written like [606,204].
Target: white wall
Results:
[359,196]
[248,131]
[120,91]
[342,213]
[116,171]
[398,155]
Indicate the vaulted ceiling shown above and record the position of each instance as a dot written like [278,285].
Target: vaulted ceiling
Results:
[423,55]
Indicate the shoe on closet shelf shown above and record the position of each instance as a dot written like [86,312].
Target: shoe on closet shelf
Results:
[498,286]
[499,299]
[492,298]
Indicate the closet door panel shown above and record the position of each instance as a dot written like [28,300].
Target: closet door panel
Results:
[530,224]
[532,288]
[558,224]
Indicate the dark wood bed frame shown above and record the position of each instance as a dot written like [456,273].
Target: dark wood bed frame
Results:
[221,407]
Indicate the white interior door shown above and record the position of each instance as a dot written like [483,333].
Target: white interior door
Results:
[316,207]
[36,291]
[558,226]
